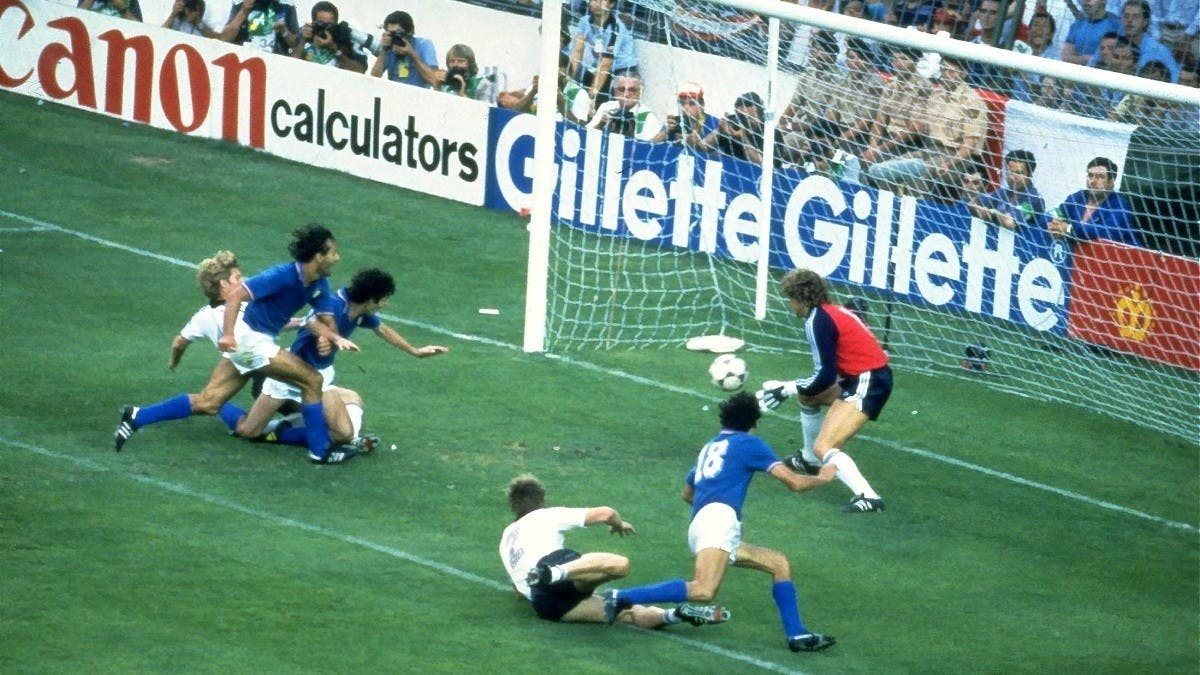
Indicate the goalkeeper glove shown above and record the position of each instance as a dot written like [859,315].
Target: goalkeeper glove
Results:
[774,393]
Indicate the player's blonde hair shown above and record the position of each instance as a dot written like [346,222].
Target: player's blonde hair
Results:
[526,493]
[213,271]
[806,286]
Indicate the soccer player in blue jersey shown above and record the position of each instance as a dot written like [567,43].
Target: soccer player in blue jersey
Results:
[354,306]
[716,488]
[248,343]
[852,379]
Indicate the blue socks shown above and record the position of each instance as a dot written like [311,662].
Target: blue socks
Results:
[674,590]
[784,593]
[292,435]
[316,433]
[230,414]
[175,408]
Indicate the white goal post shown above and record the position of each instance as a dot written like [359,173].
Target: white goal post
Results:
[637,244]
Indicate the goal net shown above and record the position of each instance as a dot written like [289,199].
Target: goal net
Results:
[996,215]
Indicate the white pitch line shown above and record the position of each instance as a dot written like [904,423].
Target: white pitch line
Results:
[1091,501]
[284,521]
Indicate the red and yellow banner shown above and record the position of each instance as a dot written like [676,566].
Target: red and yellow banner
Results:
[1137,301]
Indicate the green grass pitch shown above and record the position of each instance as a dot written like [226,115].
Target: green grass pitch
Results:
[1019,537]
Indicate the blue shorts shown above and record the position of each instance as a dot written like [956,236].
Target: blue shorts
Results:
[554,601]
[868,391]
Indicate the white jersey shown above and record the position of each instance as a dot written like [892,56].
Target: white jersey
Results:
[207,322]
[535,535]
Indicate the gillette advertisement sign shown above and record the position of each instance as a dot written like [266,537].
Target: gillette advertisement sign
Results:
[921,251]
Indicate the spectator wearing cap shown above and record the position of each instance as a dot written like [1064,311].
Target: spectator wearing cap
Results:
[897,130]
[691,125]
[953,125]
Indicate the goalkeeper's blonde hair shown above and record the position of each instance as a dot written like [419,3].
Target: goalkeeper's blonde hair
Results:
[806,286]
[213,271]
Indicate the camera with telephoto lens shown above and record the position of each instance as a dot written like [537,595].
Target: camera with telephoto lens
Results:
[400,38]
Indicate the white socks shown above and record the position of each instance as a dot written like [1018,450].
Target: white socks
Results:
[848,473]
[356,414]
[811,420]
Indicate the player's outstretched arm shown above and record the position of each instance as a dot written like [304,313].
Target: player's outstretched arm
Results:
[608,516]
[178,346]
[390,336]
[797,482]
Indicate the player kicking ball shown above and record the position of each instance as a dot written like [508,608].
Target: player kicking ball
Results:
[716,488]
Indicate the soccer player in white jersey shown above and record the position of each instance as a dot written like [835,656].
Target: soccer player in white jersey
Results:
[716,488]
[217,276]
[560,583]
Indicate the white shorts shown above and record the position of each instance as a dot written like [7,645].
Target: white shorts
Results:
[716,526]
[282,391]
[254,349]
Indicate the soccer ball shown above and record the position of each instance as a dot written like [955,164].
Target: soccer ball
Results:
[728,372]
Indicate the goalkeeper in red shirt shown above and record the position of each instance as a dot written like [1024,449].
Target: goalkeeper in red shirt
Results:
[851,378]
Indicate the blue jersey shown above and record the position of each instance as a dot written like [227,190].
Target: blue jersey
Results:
[305,345]
[278,292]
[725,466]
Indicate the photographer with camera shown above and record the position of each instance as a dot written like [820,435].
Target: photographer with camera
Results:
[625,114]
[462,77]
[328,41]
[187,16]
[740,133]
[691,125]
[269,25]
[405,57]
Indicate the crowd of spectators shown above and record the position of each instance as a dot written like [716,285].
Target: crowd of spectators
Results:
[861,111]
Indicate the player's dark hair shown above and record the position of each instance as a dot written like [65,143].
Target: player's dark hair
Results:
[806,286]
[740,412]
[525,494]
[308,241]
[370,284]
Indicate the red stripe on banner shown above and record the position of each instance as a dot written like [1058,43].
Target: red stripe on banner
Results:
[993,145]
[1137,301]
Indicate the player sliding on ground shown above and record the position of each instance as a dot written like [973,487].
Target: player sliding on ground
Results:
[248,342]
[560,583]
